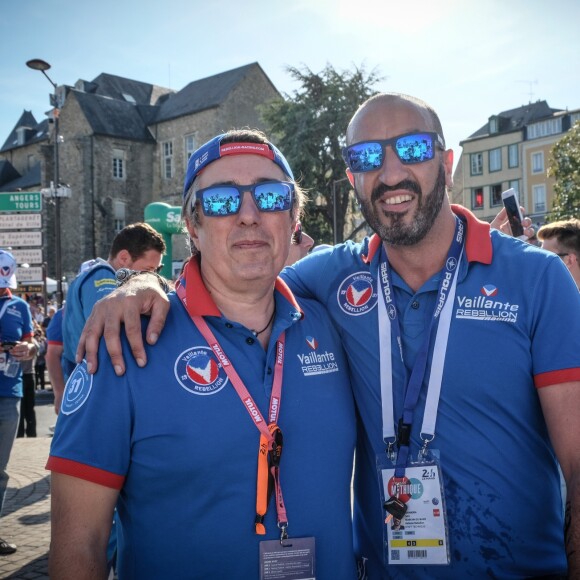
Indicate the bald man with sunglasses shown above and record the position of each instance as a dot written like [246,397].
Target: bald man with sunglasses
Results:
[466,401]
[230,455]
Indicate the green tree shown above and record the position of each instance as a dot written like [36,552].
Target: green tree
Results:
[564,166]
[309,127]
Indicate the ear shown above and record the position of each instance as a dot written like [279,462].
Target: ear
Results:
[448,164]
[123,258]
[192,231]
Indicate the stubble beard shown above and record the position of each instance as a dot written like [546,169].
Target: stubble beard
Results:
[392,229]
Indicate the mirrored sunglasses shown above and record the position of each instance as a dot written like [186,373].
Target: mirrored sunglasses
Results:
[223,200]
[410,148]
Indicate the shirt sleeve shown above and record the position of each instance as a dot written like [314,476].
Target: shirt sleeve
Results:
[97,285]
[92,439]
[556,326]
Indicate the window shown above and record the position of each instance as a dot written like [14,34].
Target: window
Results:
[538,162]
[513,155]
[119,215]
[495,194]
[545,128]
[168,159]
[118,164]
[495,160]
[476,163]
[189,146]
[574,118]
[539,195]
[493,125]
[477,198]
[515,184]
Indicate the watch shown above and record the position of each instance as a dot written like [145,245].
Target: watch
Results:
[122,275]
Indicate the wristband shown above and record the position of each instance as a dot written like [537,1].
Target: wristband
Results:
[122,275]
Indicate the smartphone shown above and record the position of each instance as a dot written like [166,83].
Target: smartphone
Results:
[512,207]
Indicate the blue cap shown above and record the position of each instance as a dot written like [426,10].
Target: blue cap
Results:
[213,150]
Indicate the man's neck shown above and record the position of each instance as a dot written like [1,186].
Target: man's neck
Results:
[250,304]
[418,263]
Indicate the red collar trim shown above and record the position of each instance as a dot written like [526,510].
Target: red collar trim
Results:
[478,247]
[199,300]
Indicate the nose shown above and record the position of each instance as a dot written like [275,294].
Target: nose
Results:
[392,171]
[249,213]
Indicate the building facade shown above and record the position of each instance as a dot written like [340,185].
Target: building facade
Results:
[123,144]
[512,150]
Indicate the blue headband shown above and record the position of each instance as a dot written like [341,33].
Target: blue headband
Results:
[213,150]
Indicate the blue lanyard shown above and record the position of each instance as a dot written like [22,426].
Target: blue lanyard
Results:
[446,288]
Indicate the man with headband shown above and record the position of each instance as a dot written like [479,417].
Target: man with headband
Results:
[230,455]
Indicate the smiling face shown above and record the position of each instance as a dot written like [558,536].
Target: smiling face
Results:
[400,202]
[249,247]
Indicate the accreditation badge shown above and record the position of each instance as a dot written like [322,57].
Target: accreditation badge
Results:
[289,559]
[420,537]
[3,359]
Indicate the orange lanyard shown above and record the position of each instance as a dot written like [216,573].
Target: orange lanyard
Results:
[271,440]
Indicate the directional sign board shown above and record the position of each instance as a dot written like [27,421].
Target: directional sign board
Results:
[33,274]
[27,255]
[21,201]
[20,239]
[20,221]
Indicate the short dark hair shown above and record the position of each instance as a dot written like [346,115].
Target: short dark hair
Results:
[137,239]
[566,232]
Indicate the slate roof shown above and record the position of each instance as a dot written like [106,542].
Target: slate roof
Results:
[113,117]
[116,87]
[517,119]
[203,94]
[26,181]
[36,131]
[7,172]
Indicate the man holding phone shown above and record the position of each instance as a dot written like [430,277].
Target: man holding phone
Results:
[16,345]
[464,398]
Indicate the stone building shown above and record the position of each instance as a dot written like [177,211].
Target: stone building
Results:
[123,144]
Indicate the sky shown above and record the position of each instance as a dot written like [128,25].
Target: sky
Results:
[468,59]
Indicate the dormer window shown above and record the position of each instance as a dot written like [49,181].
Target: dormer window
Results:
[21,135]
[493,125]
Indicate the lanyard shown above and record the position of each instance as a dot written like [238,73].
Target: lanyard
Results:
[271,440]
[389,326]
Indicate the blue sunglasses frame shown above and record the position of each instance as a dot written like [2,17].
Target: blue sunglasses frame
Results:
[407,143]
[232,196]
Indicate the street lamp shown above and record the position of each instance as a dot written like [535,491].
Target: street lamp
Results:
[43,66]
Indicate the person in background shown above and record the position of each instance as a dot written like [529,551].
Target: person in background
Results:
[27,423]
[58,368]
[137,246]
[563,239]
[40,361]
[16,346]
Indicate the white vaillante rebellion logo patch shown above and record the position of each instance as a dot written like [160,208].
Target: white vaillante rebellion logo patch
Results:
[488,306]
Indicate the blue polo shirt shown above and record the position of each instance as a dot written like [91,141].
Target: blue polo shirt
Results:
[92,284]
[15,325]
[515,328]
[179,444]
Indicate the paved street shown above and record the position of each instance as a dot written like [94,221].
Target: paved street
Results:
[26,516]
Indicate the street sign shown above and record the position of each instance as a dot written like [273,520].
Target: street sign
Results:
[28,255]
[20,239]
[20,221]
[30,289]
[33,274]
[21,201]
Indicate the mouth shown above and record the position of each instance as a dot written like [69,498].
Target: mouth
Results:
[399,202]
[250,245]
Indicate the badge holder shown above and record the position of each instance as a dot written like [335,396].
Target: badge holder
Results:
[12,367]
[288,559]
[415,527]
